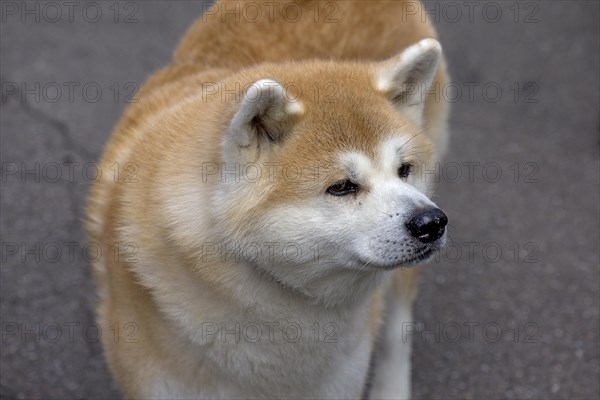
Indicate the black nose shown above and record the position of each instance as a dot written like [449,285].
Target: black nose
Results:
[428,225]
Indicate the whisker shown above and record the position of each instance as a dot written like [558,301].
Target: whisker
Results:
[405,143]
[384,213]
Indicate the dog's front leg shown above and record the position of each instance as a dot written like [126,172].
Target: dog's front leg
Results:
[392,377]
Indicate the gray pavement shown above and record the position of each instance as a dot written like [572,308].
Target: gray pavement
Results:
[511,309]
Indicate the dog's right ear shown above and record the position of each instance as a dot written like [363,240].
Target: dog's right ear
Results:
[264,115]
[406,78]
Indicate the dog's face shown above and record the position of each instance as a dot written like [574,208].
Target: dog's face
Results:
[337,179]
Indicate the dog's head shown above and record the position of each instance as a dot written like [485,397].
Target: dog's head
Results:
[325,167]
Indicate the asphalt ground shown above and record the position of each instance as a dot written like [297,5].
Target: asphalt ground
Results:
[510,309]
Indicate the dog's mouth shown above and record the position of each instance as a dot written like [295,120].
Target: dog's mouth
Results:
[422,255]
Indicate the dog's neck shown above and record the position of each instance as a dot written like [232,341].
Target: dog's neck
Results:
[339,289]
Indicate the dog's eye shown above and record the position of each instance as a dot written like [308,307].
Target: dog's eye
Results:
[404,170]
[343,188]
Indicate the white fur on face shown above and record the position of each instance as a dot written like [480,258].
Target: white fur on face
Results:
[366,232]
[380,237]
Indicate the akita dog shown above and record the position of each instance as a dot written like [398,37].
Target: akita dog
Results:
[269,200]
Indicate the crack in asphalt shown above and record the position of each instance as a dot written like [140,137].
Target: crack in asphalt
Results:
[73,149]
[60,126]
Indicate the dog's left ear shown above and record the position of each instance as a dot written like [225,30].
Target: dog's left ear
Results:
[264,114]
[407,77]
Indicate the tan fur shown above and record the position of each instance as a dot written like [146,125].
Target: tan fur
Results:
[159,136]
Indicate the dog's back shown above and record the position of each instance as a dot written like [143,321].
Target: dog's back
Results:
[235,34]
